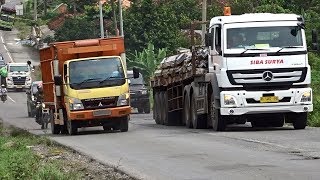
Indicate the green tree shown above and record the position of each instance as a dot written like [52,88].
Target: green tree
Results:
[77,28]
[147,60]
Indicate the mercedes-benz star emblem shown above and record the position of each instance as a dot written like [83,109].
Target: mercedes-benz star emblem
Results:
[100,104]
[267,76]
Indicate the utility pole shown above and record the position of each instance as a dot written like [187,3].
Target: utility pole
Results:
[35,10]
[121,18]
[114,18]
[101,20]
[204,18]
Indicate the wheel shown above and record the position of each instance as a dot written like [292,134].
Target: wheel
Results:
[29,110]
[55,128]
[186,112]
[156,108]
[218,122]
[124,124]
[197,122]
[164,108]
[277,121]
[140,110]
[72,127]
[299,120]
[106,128]
[147,108]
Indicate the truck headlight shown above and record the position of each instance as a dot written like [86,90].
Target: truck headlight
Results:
[43,105]
[123,100]
[144,92]
[9,78]
[229,100]
[306,96]
[28,78]
[75,104]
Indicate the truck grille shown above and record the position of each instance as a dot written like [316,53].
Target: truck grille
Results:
[263,77]
[19,80]
[99,103]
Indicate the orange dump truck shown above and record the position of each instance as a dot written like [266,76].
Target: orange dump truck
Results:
[85,84]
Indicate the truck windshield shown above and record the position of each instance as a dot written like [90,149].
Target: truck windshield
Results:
[96,73]
[264,37]
[18,69]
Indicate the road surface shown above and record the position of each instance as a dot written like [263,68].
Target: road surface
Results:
[151,151]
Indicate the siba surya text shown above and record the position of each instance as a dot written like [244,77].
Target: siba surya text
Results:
[272,61]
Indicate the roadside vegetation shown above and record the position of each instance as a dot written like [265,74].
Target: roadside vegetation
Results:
[26,156]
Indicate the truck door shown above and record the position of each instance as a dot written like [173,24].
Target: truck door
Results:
[216,51]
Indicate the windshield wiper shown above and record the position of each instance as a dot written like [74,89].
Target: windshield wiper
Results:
[251,49]
[87,80]
[288,47]
[108,78]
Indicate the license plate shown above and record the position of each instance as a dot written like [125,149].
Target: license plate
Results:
[102,113]
[269,99]
[19,86]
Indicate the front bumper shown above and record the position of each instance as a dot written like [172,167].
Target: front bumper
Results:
[11,85]
[89,114]
[248,102]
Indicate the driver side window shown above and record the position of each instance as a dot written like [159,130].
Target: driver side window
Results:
[217,39]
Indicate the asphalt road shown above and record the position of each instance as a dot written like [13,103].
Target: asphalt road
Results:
[153,151]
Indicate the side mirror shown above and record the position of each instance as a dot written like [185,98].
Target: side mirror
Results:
[208,39]
[135,73]
[315,44]
[58,80]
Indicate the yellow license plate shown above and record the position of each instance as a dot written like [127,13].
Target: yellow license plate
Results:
[269,99]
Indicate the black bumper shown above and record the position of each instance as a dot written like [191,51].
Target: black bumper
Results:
[139,102]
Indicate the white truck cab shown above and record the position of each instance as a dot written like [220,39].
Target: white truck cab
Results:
[260,65]
[19,76]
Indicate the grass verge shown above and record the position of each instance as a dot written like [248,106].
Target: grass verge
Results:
[26,156]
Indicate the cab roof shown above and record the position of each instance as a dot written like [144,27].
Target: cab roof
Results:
[254,17]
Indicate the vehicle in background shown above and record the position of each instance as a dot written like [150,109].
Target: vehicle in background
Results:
[2,63]
[248,71]
[7,17]
[31,100]
[139,94]
[85,84]
[19,76]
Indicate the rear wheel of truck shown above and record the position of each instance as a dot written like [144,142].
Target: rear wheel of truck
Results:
[140,110]
[147,108]
[186,112]
[197,122]
[55,128]
[156,108]
[72,127]
[218,121]
[299,120]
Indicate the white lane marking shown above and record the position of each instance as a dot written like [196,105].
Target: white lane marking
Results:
[5,47]
[11,99]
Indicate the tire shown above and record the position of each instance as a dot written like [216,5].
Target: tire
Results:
[147,108]
[140,110]
[164,107]
[106,128]
[197,122]
[124,124]
[278,121]
[29,110]
[218,122]
[156,108]
[72,127]
[55,128]
[299,120]
[186,111]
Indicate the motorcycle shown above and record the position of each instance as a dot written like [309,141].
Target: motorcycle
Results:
[3,94]
[42,116]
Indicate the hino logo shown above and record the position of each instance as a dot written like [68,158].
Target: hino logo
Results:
[267,76]
[100,104]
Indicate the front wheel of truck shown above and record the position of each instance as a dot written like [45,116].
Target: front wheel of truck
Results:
[124,124]
[55,128]
[72,128]
[299,120]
